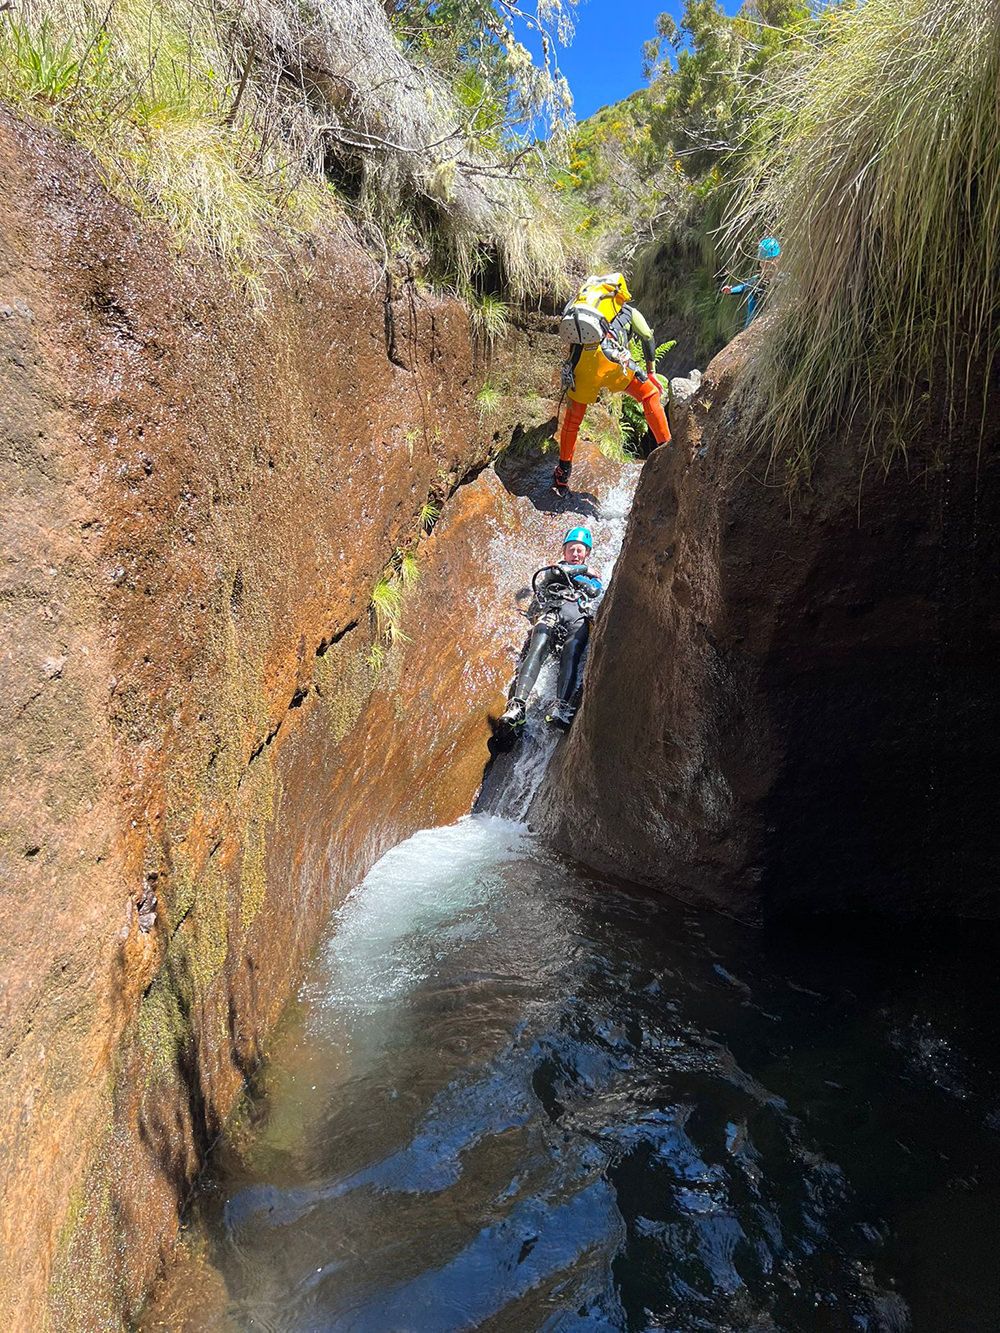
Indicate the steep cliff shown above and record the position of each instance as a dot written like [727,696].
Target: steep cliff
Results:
[226,691]
[791,701]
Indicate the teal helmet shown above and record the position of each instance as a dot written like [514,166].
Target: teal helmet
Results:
[769,248]
[579,535]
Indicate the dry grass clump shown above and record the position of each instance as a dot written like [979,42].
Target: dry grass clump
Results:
[880,172]
[235,122]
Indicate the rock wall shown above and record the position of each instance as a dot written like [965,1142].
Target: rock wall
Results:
[208,737]
[791,703]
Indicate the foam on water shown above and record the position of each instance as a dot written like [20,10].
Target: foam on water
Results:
[426,888]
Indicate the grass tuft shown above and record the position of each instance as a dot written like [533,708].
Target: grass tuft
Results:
[488,400]
[878,165]
[409,569]
[429,515]
[387,608]
[490,318]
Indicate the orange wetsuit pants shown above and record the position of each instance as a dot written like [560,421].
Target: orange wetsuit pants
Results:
[647,394]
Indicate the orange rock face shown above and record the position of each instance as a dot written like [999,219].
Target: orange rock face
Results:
[791,703]
[210,734]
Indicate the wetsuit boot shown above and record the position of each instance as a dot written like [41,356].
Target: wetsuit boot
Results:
[515,714]
[561,714]
[539,647]
[560,478]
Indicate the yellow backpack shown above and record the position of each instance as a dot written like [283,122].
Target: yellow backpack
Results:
[586,321]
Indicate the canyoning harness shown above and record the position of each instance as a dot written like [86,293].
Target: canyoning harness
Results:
[555,585]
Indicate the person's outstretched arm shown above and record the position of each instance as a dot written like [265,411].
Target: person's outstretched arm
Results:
[641,327]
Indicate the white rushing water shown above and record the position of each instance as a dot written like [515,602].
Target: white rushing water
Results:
[513,781]
[427,890]
[430,890]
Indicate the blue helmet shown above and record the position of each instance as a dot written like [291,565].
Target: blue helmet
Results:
[769,248]
[579,535]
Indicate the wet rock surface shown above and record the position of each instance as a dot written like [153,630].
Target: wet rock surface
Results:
[208,736]
[791,700]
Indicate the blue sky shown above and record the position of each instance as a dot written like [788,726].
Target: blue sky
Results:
[604,62]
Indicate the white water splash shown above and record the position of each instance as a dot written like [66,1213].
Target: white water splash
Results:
[514,779]
[425,889]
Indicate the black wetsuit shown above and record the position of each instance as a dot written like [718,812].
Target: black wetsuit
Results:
[566,596]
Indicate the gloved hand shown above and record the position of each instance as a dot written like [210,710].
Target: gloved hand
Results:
[567,379]
[590,584]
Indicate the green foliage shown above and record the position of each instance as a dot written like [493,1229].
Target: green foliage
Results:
[613,184]
[429,514]
[490,317]
[877,161]
[387,608]
[204,116]
[387,602]
[649,179]
[409,569]
[488,400]
[40,67]
[473,44]
[613,443]
[635,347]
[376,657]
[140,85]
[722,69]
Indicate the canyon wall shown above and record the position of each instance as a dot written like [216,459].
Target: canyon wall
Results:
[791,703]
[209,734]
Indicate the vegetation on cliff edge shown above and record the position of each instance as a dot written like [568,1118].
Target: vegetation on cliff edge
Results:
[878,162]
[237,124]
[865,136]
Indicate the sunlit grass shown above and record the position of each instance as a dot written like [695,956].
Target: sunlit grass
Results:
[387,608]
[490,317]
[200,115]
[488,400]
[409,569]
[429,514]
[879,168]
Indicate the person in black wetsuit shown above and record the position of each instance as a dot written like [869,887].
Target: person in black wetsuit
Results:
[566,595]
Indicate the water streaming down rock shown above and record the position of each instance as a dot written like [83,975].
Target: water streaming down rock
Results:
[513,779]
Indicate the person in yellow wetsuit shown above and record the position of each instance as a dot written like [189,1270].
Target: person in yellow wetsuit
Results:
[609,365]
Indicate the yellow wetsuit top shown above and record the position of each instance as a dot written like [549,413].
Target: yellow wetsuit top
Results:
[597,367]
